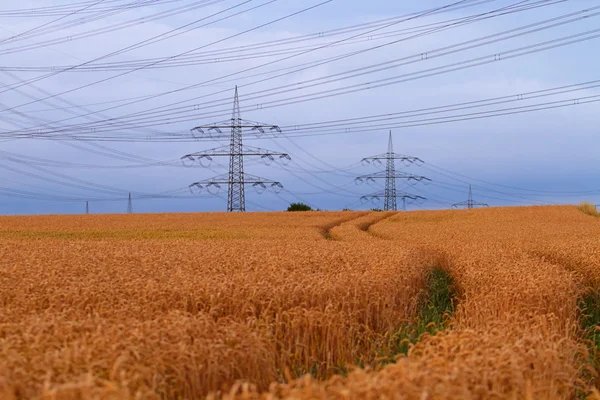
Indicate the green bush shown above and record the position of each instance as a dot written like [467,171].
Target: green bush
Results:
[299,207]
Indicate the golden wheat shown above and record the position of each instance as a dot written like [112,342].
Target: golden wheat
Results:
[185,306]
[135,305]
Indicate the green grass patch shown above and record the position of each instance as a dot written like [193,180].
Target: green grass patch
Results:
[589,209]
[589,321]
[436,305]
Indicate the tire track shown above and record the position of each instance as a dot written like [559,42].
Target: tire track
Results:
[365,226]
[327,228]
[358,228]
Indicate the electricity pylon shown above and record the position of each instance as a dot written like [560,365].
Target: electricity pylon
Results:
[236,151]
[129,205]
[87,207]
[469,203]
[390,195]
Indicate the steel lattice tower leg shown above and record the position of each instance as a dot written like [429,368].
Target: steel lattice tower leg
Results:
[390,179]
[236,200]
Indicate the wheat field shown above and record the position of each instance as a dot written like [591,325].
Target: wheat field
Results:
[299,305]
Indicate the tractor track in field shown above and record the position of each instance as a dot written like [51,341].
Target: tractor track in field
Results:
[326,229]
[365,226]
[358,228]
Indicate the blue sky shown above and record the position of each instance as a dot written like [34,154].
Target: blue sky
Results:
[541,157]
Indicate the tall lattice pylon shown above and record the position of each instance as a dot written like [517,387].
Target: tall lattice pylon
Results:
[237,179]
[236,197]
[129,205]
[390,178]
[87,207]
[390,195]
[470,203]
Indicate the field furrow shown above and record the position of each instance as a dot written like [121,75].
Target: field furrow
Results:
[358,228]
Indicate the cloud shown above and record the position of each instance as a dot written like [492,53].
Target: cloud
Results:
[524,148]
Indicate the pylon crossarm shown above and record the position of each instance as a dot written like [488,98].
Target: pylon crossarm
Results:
[396,175]
[399,157]
[398,195]
[253,179]
[464,204]
[378,198]
[224,151]
[418,178]
[362,179]
[373,199]
[219,127]
[217,181]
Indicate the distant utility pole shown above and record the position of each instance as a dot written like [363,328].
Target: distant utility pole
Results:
[469,203]
[129,205]
[390,195]
[237,179]
[87,207]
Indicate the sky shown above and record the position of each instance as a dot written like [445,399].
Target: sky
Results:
[98,99]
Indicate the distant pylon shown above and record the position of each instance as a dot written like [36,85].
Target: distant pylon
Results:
[469,203]
[390,175]
[129,205]
[87,207]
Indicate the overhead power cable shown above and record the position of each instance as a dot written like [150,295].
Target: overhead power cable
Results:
[64,9]
[522,51]
[545,3]
[34,33]
[531,192]
[287,16]
[270,48]
[407,118]
[216,42]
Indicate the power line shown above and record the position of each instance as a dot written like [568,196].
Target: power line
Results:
[252,68]
[175,56]
[533,192]
[235,53]
[522,51]
[95,32]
